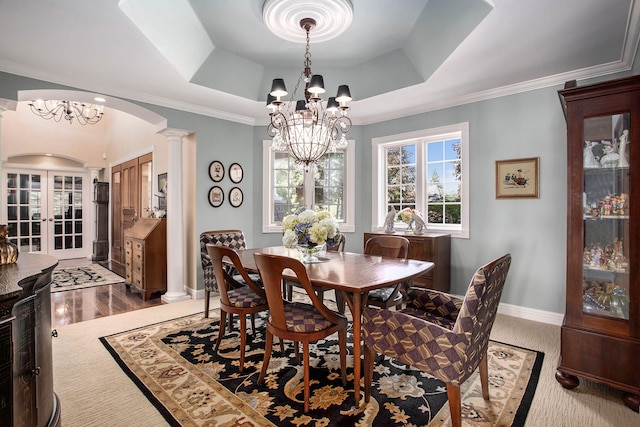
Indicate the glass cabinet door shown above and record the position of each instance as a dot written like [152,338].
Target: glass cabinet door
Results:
[605,279]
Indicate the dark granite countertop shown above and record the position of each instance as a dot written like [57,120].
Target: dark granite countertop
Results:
[27,266]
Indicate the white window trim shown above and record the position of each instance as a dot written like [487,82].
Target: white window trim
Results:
[378,189]
[268,226]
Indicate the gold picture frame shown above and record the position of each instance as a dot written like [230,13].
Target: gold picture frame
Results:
[517,178]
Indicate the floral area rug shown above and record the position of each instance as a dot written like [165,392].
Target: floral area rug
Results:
[174,365]
[86,276]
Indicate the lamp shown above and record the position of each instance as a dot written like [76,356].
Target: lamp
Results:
[307,129]
[83,113]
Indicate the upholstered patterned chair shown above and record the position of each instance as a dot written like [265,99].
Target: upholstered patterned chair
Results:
[236,297]
[233,239]
[438,333]
[295,321]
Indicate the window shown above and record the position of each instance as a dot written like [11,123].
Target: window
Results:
[424,170]
[287,187]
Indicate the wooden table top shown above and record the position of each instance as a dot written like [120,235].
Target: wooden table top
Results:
[345,270]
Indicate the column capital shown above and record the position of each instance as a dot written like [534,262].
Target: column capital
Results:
[172,133]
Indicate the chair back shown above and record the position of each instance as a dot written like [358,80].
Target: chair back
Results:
[480,306]
[223,278]
[338,245]
[387,246]
[233,239]
[271,268]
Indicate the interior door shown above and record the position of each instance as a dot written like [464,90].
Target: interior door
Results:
[130,198]
[45,211]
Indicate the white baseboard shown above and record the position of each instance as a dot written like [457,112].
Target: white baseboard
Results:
[531,314]
[506,309]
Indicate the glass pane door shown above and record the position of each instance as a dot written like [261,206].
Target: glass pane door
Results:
[44,212]
[24,210]
[66,219]
[605,284]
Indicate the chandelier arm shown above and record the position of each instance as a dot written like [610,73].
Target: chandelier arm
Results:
[56,110]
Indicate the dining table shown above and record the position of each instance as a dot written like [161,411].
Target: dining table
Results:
[354,275]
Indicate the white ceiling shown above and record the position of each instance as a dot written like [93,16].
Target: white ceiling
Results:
[398,57]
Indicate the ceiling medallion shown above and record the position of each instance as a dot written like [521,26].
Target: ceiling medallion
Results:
[283,17]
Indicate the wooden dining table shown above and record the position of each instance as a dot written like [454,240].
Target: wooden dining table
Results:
[352,274]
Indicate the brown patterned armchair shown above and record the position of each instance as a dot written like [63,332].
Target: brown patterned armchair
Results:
[438,333]
[233,239]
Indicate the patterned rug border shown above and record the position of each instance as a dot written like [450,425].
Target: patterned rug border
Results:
[258,419]
[110,278]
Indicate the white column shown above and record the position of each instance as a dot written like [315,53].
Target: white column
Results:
[176,253]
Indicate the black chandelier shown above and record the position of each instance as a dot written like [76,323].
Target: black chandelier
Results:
[308,129]
[57,110]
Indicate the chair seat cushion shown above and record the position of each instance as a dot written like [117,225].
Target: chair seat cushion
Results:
[254,277]
[383,294]
[244,297]
[304,318]
[429,317]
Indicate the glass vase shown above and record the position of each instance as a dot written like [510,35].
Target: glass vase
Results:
[309,252]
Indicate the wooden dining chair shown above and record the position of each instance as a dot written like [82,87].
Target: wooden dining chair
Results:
[336,246]
[391,247]
[440,334]
[236,297]
[297,321]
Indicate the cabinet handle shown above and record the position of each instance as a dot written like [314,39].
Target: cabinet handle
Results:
[36,371]
[54,333]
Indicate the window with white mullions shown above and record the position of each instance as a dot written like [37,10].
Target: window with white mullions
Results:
[425,170]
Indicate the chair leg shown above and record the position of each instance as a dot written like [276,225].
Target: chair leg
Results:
[253,323]
[455,405]
[207,294]
[307,392]
[484,376]
[223,323]
[268,342]
[342,343]
[369,356]
[340,301]
[243,339]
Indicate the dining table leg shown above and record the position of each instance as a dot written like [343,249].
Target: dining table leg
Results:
[354,301]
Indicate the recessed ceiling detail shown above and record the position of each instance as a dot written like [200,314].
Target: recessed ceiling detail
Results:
[283,18]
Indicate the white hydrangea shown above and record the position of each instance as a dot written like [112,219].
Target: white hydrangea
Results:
[318,233]
[289,222]
[309,216]
[330,226]
[290,239]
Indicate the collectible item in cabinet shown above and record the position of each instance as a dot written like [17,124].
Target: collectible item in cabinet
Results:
[146,256]
[600,334]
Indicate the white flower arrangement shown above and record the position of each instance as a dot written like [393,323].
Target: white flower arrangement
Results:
[309,228]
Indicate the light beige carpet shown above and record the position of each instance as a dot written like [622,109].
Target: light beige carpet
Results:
[95,392]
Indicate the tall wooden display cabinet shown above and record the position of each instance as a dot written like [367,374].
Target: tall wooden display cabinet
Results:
[600,335]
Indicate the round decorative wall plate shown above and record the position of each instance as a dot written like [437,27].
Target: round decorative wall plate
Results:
[235,197]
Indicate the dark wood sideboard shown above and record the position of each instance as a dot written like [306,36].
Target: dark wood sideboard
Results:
[26,362]
[433,247]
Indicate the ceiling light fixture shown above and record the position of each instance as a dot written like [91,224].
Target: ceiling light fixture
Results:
[83,113]
[307,129]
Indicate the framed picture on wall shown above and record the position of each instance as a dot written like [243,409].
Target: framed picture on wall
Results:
[162,191]
[216,171]
[517,178]
[235,173]
[216,196]
[235,197]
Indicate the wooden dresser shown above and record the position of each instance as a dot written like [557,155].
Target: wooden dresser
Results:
[145,260]
[433,247]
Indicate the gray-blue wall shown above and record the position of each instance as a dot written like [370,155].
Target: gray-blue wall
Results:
[529,124]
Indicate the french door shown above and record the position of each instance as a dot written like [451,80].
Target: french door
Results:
[45,211]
